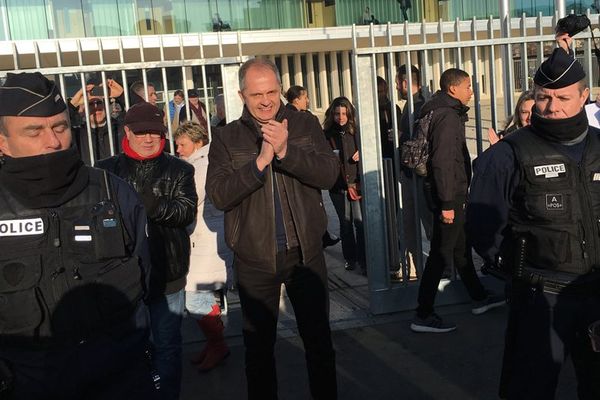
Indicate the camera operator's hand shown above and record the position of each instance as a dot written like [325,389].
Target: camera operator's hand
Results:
[564,41]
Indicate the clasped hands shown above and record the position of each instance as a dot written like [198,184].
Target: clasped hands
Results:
[274,144]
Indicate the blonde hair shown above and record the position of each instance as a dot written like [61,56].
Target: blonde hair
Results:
[193,130]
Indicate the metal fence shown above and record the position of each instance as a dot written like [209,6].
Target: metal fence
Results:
[329,62]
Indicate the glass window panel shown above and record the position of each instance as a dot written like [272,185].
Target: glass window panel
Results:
[4,35]
[102,18]
[162,12]
[127,18]
[27,19]
[68,18]
[233,13]
[199,14]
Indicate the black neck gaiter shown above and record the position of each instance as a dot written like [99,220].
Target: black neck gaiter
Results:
[44,181]
[560,130]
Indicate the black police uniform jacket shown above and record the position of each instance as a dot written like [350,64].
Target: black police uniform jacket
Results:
[556,206]
[171,181]
[234,186]
[72,273]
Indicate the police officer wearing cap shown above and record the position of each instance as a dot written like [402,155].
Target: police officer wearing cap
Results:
[534,212]
[73,261]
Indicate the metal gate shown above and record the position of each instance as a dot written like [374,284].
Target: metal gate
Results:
[382,222]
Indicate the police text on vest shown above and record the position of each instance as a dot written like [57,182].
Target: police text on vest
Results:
[21,227]
[549,171]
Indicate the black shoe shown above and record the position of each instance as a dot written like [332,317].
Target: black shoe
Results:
[330,240]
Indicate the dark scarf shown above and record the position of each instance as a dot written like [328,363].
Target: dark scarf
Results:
[560,130]
[44,181]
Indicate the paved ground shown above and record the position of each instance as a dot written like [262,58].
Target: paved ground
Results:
[378,357]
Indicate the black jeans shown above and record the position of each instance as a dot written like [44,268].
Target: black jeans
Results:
[448,247]
[351,227]
[306,286]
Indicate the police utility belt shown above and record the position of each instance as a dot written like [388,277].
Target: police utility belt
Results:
[548,281]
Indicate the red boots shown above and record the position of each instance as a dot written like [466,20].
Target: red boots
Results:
[216,349]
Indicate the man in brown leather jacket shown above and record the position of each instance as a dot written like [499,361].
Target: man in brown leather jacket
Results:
[266,171]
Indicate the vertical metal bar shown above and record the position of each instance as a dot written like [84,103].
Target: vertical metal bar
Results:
[106,93]
[36,53]
[540,32]
[184,77]
[441,40]
[143,60]
[166,92]
[371,176]
[588,58]
[492,61]
[476,87]
[15,55]
[205,85]
[509,81]
[458,62]
[399,256]
[85,103]
[560,8]
[425,57]
[524,55]
[124,75]
[61,77]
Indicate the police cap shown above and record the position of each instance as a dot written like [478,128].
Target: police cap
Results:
[559,70]
[30,95]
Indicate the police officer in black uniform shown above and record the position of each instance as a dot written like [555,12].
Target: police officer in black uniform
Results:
[534,212]
[73,261]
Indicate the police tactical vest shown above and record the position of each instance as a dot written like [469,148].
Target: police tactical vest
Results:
[557,204]
[66,274]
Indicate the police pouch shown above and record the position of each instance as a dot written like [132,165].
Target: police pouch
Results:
[109,240]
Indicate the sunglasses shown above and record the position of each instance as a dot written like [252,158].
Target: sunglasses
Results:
[153,135]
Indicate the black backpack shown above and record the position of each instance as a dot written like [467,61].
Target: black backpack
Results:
[414,152]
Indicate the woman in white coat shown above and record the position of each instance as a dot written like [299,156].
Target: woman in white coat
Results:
[210,257]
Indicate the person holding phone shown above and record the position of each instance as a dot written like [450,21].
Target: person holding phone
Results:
[100,146]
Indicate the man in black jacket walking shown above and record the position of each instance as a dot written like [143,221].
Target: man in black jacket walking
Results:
[266,171]
[166,186]
[447,184]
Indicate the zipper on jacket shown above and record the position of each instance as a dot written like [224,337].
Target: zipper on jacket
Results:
[59,271]
[276,187]
[294,219]
[274,238]
[591,227]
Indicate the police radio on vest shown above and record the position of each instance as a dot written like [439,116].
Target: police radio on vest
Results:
[21,227]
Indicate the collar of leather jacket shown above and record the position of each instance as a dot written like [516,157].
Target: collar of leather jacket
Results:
[248,120]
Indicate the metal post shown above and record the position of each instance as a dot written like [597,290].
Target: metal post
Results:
[504,11]
[560,8]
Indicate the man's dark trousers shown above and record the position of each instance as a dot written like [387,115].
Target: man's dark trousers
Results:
[448,247]
[547,328]
[306,287]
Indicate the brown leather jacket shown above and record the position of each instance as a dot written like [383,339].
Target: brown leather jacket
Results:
[235,186]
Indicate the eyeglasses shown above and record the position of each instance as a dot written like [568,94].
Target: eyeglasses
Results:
[153,135]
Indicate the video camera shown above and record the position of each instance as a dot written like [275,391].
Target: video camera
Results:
[573,24]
